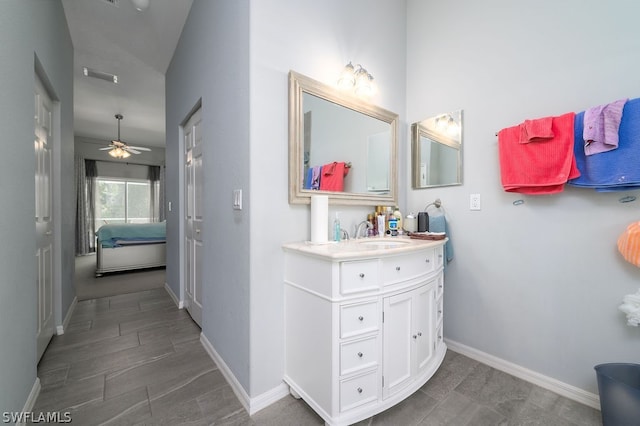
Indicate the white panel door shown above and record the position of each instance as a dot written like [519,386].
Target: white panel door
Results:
[397,354]
[424,325]
[193,190]
[43,119]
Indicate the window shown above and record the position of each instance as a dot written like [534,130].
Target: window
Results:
[122,201]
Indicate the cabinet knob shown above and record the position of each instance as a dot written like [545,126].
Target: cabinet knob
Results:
[360,354]
[359,390]
[361,275]
[439,311]
[427,260]
[419,333]
[415,337]
[361,318]
[440,286]
[440,256]
[397,268]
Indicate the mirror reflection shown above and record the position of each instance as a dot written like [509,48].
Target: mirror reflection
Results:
[437,150]
[339,145]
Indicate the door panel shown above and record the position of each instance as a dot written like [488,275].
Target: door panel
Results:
[397,342]
[193,216]
[43,217]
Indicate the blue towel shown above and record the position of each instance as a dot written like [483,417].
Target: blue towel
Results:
[438,223]
[615,170]
[308,179]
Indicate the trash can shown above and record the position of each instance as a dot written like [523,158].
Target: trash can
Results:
[619,388]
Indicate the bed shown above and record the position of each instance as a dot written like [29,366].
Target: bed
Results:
[130,246]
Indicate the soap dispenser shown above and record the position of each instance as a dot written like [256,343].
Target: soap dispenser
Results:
[337,230]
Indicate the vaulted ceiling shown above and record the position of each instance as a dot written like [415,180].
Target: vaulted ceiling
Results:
[113,37]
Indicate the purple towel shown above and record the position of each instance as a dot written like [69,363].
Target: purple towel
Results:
[601,126]
[315,177]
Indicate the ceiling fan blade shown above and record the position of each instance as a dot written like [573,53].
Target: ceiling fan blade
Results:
[106,148]
[133,151]
[139,148]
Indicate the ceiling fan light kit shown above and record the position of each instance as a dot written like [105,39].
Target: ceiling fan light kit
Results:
[119,149]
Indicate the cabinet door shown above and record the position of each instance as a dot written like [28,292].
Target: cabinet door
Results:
[424,325]
[397,342]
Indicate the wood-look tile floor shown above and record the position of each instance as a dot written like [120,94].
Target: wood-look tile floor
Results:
[136,359]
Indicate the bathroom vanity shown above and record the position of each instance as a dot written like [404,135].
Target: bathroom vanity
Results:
[363,323]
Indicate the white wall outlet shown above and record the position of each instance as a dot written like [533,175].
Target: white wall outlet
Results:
[237,199]
[474,202]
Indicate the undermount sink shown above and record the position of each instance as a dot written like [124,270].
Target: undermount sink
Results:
[384,243]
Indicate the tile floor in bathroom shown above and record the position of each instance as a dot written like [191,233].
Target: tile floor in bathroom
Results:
[135,359]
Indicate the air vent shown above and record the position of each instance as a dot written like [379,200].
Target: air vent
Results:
[88,72]
[112,2]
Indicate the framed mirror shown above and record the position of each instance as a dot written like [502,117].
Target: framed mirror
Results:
[436,151]
[339,145]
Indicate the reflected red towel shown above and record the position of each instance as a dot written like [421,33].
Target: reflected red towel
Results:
[538,168]
[333,176]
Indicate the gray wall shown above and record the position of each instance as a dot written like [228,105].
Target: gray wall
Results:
[211,65]
[317,39]
[30,28]
[242,55]
[537,284]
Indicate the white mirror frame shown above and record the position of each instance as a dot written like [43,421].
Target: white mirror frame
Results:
[300,84]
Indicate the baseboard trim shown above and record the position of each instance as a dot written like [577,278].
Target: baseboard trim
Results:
[251,405]
[65,323]
[31,399]
[177,301]
[549,383]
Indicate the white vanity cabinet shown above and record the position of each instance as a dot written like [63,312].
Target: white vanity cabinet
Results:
[363,325]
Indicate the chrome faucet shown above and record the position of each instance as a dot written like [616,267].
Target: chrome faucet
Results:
[367,226]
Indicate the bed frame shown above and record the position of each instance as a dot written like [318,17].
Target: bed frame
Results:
[129,257]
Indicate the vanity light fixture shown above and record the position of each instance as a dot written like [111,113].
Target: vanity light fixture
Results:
[348,78]
[357,79]
[446,124]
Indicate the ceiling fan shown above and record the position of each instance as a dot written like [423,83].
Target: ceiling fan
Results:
[119,149]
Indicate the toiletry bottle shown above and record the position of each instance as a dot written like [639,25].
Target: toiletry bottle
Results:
[388,213]
[398,215]
[372,224]
[337,231]
[381,224]
[393,226]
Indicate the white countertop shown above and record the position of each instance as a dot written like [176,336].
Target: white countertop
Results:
[363,247]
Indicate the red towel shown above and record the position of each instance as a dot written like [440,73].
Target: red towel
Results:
[542,167]
[333,176]
[536,130]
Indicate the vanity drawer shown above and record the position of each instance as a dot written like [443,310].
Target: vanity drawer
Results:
[359,390]
[358,319]
[358,276]
[400,268]
[358,354]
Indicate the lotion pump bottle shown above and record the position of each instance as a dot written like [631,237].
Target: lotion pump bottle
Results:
[337,230]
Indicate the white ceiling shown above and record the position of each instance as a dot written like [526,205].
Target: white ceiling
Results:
[137,47]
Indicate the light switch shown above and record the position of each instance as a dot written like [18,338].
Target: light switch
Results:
[237,199]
